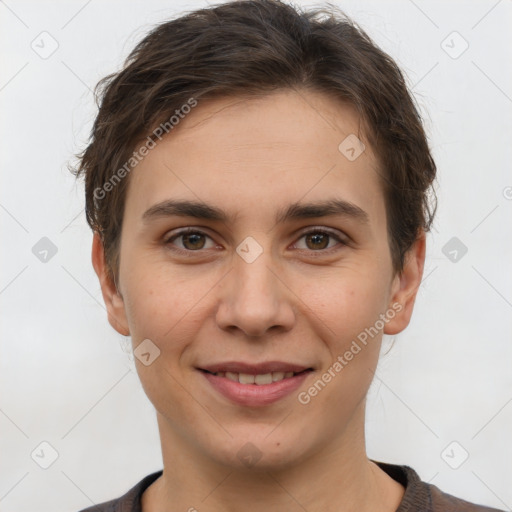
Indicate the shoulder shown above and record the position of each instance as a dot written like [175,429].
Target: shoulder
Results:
[424,497]
[444,501]
[128,502]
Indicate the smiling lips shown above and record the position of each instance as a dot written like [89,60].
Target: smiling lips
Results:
[255,384]
[260,379]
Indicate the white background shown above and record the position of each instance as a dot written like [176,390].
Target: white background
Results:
[66,377]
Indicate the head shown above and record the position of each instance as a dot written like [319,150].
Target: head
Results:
[289,147]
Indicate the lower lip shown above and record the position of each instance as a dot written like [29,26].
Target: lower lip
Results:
[254,395]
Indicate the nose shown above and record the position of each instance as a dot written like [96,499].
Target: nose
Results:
[254,299]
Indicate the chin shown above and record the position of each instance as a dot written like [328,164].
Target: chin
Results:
[260,451]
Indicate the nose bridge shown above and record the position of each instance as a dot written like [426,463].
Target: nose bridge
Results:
[255,300]
[253,266]
[256,279]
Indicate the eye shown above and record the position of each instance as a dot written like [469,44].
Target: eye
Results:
[190,240]
[319,240]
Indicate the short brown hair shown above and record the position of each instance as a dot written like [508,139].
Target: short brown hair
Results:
[254,47]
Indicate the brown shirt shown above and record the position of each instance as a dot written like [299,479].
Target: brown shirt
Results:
[419,496]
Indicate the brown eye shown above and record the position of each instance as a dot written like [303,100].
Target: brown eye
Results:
[189,241]
[193,241]
[319,240]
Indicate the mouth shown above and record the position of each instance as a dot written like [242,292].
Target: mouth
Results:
[259,379]
[255,385]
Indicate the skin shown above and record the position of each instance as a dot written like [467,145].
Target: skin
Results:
[297,302]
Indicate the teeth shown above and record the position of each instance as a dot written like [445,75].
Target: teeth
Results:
[245,378]
[265,378]
[230,376]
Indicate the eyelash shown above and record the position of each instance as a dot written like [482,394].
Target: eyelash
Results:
[192,231]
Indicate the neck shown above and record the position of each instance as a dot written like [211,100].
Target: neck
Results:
[337,477]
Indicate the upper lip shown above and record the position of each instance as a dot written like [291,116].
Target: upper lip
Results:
[254,368]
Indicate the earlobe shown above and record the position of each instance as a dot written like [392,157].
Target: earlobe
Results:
[405,287]
[112,297]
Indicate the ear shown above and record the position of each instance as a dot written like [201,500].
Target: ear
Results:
[405,286]
[113,299]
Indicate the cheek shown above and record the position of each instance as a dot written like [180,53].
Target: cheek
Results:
[351,310]
[161,301]
[167,312]
[346,301]
[165,316]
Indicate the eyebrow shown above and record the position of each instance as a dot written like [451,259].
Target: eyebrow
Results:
[295,211]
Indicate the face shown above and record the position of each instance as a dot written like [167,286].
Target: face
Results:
[253,247]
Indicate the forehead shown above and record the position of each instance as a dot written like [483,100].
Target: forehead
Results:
[253,152]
